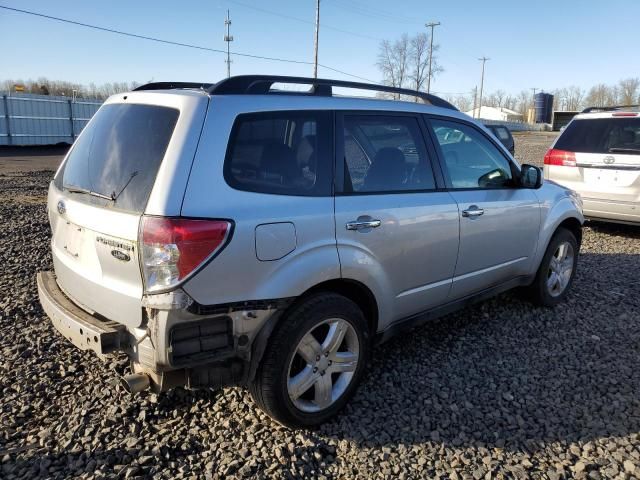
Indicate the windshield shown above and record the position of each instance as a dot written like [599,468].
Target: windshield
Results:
[116,159]
[601,135]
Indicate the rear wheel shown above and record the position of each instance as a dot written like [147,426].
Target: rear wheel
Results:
[314,361]
[557,270]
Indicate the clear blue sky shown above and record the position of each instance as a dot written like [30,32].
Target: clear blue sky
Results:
[543,44]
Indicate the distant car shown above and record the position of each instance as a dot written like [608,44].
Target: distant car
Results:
[598,155]
[503,134]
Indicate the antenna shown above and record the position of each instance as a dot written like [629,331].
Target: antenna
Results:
[228,38]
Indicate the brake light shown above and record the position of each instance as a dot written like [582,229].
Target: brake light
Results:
[624,114]
[172,248]
[560,157]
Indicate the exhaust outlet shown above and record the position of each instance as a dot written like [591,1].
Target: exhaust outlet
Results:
[136,382]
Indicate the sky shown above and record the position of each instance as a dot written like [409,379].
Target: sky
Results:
[542,44]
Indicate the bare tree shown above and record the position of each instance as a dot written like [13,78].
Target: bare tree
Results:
[405,62]
[574,98]
[523,103]
[393,61]
[419,61]
[62,87]
[463,102]
[629,91]
[602,95]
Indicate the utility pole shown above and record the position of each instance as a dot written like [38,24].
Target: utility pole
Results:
[432,25]
[315,44]
[533,102]
[228,38]
[483,60]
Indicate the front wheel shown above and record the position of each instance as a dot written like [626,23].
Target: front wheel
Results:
[313,362]
[557,270]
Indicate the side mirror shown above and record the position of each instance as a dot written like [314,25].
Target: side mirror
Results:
[530,176]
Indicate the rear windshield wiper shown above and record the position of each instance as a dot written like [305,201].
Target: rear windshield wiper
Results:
[114,195]
[624,150]
[86,191]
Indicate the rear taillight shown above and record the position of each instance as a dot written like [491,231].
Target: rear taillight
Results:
[560,157]
[172,248]
[624,114]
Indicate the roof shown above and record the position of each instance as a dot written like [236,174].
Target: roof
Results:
[497,109]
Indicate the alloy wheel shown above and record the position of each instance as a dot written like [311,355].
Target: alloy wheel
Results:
[323,365]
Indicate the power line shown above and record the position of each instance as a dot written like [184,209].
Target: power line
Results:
[368,11]
[302,20]
[179,44]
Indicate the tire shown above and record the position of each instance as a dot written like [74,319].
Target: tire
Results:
[540,292]
[285,359]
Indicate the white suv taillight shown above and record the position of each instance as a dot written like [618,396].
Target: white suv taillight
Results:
[172,248]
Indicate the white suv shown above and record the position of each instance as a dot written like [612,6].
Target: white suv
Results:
[598,155]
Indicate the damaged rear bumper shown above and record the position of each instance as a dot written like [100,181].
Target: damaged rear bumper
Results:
[87,332]
[197,346]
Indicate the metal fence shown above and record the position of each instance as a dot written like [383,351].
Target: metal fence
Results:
[517,126]
[28,119]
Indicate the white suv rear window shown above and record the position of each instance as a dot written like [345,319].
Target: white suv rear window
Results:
[601,135]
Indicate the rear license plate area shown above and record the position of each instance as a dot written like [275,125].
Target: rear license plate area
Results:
[601,177]
[72,243]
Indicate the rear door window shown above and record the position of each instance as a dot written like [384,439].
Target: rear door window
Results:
[601,135]
[385,154]
[118,155]
[286,153]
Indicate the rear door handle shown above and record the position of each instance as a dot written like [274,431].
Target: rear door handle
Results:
[472,211]
[362,224]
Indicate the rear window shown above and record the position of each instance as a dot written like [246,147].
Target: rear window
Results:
[286,153]
[501,132]
[118,155]
[601,135]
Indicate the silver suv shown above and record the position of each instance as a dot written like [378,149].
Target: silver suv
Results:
[236,234]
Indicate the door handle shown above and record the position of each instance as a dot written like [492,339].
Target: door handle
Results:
[472,211]
[362,224]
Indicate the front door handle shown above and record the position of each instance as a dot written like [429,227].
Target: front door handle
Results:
[472,211]
[362,224]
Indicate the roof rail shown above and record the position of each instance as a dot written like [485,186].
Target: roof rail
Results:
[261,84]
[172,86]
[608,109]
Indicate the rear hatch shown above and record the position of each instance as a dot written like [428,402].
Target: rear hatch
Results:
[132,158]
[604,153]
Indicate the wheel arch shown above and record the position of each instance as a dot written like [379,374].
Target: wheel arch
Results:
[355,291]
[574,226]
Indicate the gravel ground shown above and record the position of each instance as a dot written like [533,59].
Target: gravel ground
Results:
[531,146]
[501,390]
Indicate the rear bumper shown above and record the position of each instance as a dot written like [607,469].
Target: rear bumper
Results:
[200,351]
[83,330]
[611,210]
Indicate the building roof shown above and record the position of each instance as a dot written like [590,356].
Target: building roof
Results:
[486,109]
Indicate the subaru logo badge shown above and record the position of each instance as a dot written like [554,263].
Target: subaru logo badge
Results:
[123,257]
[61,207]
[609,159]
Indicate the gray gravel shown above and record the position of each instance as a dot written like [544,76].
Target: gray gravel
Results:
[501,390]
[532,146]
